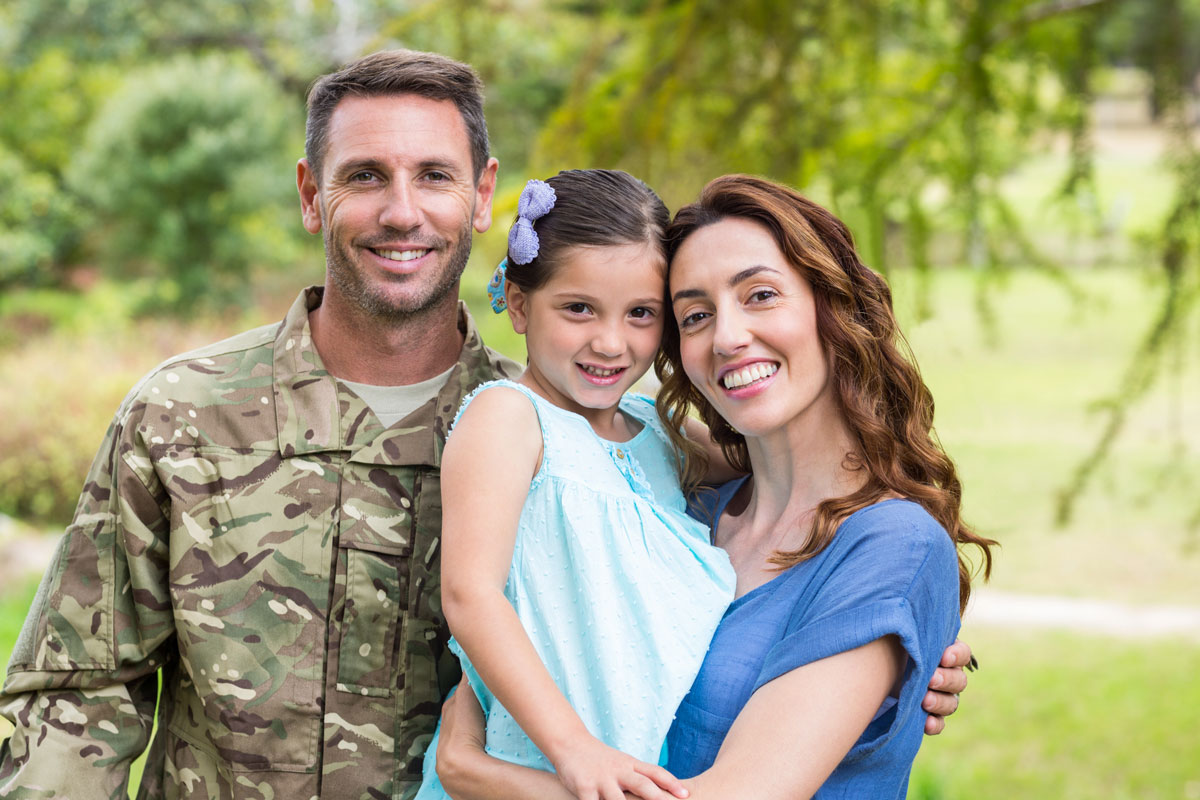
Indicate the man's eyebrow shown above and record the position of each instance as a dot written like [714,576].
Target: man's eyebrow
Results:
[357,165]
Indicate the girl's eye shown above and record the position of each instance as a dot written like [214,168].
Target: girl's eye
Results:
[641,312]
[578,308]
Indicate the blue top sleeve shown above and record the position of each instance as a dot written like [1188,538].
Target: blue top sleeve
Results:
[888,572]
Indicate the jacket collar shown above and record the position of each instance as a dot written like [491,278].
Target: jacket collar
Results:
[316,413]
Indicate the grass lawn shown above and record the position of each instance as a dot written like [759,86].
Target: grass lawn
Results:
[1061,717]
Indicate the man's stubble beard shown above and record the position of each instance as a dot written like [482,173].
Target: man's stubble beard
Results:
[348,279]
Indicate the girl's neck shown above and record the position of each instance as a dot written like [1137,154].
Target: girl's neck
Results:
[607,423]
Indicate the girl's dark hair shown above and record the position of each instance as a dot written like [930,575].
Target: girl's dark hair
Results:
[886,406]
[592,207]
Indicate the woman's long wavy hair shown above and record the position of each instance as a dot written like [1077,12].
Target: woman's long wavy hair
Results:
[887,407]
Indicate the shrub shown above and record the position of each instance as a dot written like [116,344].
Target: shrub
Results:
[189,164]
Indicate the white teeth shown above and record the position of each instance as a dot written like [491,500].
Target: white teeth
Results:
[599,372]
[401,255]
[748,375]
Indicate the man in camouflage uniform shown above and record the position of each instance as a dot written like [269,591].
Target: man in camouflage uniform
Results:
[250,529]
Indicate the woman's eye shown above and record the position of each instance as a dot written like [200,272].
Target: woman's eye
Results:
[761,295]
[692,319]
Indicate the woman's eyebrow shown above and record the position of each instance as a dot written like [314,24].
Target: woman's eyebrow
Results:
[748,272]
[686,294]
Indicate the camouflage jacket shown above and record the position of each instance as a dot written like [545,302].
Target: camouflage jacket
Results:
[251,532]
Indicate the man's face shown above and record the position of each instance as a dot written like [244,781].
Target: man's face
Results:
[397,199]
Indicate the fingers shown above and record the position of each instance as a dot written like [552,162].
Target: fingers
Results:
[948,681]
[940,703]
[934,725]
[957,655]
[659,780]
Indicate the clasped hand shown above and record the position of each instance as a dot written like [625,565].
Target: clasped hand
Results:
[592,770]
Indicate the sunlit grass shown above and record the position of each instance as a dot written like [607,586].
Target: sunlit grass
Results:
[1062,717]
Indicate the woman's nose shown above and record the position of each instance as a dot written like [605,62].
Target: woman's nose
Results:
[730,333]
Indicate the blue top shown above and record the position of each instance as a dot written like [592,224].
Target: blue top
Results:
[890,569]
[617,587]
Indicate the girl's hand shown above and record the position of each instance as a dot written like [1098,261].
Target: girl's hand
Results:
[594,771]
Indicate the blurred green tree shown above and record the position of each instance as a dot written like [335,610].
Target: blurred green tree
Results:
[187,165]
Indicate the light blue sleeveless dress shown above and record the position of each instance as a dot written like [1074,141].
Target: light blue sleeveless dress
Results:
[618,589]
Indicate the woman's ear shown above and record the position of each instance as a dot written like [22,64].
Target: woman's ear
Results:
[516,299]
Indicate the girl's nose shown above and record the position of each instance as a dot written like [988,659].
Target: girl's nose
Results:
[609,341]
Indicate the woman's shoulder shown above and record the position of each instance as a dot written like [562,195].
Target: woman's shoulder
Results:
[897,534]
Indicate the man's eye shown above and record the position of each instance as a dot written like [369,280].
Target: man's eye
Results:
[437,177]
[362,177]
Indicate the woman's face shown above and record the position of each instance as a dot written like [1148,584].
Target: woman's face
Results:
[748,329]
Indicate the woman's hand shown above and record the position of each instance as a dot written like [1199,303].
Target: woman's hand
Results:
[463,735]
[592,770]
[948,680]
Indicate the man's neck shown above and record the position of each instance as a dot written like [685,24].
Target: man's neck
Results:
[358,347]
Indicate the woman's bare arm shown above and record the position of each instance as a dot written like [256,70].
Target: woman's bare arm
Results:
[796,729]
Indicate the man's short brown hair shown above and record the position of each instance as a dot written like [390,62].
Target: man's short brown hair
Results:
[398,72]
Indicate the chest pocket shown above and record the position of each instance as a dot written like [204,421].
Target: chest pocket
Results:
[376,534]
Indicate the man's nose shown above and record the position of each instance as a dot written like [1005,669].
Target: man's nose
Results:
[401,210]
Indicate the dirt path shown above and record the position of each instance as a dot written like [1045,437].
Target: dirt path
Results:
[1098,617]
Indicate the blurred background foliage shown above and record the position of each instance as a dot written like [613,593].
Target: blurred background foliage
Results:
[1027,173]
[148,143]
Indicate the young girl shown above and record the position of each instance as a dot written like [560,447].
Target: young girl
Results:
[581,597]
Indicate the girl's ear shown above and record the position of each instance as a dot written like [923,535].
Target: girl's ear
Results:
[516,299]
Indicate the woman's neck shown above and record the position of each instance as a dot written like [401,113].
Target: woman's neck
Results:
[794,470]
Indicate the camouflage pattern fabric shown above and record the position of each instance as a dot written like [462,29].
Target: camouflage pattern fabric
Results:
[251,533]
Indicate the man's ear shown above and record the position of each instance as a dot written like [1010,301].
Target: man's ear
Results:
[517,299]
[485,190]
[310,196]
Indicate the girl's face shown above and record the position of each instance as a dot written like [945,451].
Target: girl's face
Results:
[594,328]
[748,329]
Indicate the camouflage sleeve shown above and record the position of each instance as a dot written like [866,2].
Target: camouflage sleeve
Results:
[81,686]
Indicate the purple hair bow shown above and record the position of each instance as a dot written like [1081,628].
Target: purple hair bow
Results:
[537,198]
